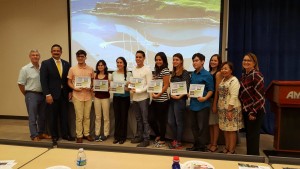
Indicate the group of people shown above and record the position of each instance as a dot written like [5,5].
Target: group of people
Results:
[49,87]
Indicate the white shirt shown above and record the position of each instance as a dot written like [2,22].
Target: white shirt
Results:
[145,73]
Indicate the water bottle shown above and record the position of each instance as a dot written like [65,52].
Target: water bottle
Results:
[81,159]
[175,164]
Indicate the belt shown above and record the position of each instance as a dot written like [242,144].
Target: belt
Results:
[27,91]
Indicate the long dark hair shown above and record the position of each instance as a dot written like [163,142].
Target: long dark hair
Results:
[105,69]
[179,56]
[219,62]
[164,65]
[125,66]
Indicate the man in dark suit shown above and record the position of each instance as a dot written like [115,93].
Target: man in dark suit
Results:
[54,81]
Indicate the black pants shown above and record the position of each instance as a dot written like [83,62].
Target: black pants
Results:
[253,132]
[199,121]
[58,111]
[121,106]
[158,115]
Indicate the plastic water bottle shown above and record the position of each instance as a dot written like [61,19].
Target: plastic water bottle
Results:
[175,164]
[81,159]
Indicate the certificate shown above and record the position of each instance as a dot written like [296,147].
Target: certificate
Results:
[155,86]
[100,85]
[196,90]
[136,83]
[178,88]
[117,87]
[82,82]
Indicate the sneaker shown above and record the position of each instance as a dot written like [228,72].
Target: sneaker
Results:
[173,144]
[137,140]
[97,138]
[159,144]
[178,146]
[103,138]
[144,143]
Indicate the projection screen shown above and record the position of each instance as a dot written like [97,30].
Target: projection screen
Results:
[107,29]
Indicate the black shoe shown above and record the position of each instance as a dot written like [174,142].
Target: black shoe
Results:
[145,143]
[194,149]
[69,138]
[54,139]
[121,141]
[137,140]
[116,141]
[54,143]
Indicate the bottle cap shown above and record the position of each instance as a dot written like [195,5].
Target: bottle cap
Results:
[176,159]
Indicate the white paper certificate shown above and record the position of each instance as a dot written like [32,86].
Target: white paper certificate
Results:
[155,86]
[136,83]
[196,90]
[117,87]
[82,82]
[178,88]
[100,85]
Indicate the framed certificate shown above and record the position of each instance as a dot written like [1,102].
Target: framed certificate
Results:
[117,87]
[136,83]
[196,90]
[82,82]
[100,85]
[178,88]
[155,86]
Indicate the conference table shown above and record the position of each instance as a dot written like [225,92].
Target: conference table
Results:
[285,166]
[117,160]
[20,154]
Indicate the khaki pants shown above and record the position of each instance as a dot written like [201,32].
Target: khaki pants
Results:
[82,111]
[102,106]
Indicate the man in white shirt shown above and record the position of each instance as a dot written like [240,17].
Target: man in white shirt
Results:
[141,101]
[30,86]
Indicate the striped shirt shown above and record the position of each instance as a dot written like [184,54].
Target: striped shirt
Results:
[252,91]
[162,74]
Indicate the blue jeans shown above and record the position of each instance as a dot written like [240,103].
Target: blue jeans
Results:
[140,109]
[36,108]
[177,109]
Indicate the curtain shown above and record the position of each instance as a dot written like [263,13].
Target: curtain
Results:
[271,30]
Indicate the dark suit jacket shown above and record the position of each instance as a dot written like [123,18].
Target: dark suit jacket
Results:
[51,81]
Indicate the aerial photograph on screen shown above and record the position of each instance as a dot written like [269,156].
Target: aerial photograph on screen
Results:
[107,29]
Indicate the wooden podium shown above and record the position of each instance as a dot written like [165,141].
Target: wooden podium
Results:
[284,99]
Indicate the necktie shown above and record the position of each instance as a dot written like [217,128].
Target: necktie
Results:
[58,65]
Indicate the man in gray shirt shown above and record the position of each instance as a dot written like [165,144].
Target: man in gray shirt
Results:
[30,86]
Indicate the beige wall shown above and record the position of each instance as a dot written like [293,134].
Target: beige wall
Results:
[34,24]
[26,25]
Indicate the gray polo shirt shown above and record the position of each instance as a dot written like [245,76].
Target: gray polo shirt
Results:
[29,76]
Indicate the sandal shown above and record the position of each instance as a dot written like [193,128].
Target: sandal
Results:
[213,148]
[225,151]
[231,152]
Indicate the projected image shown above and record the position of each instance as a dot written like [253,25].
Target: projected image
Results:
[107,29]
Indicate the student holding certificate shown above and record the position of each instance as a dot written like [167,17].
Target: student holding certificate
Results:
[141,100]
[200,106]
[177,106]
[160,101]
[121,102]
[82,96]
[102,102]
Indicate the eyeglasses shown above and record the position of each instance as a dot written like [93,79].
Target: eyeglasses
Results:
[247,60]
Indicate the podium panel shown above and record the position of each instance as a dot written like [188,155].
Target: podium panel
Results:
[284,99]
